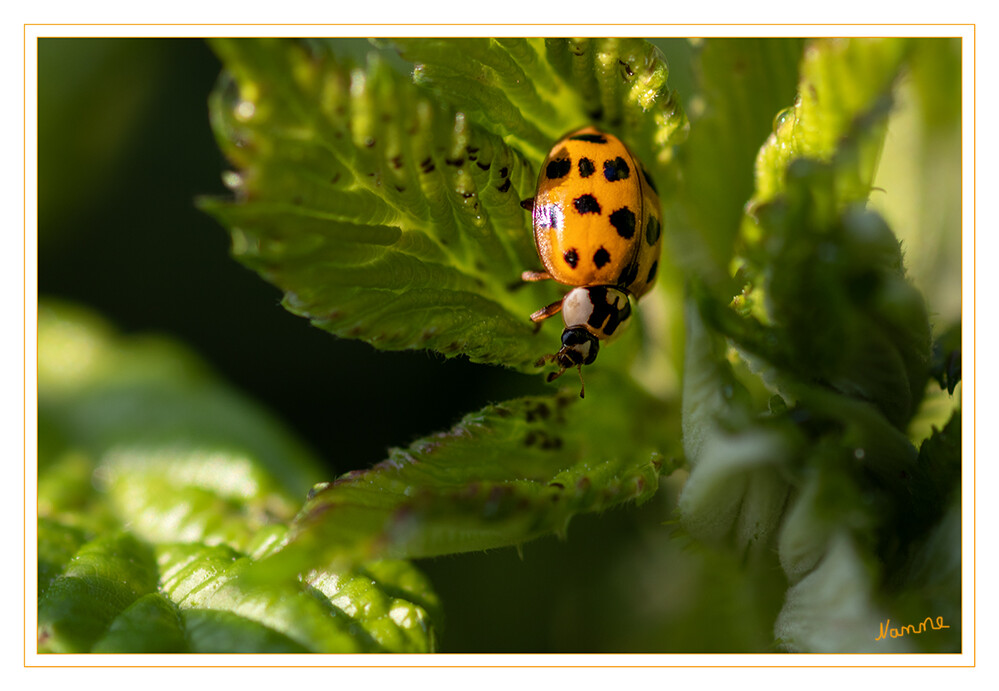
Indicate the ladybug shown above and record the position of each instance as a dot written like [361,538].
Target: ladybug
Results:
[598,227]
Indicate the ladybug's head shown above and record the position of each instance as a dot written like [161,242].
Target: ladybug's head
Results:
[579,347]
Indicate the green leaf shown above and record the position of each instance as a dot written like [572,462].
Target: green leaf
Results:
[845,92]
[504,475]
[794,425]
[918,183]
[385,213]
[741,83]
[532,91]
[834,608]
[161,487]
[380,213]
[833,286]
[101,580]
[100,393]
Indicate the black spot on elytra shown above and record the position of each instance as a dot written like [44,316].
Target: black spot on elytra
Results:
[505,186]
[623,221]
[556,169]
[629,275]
[616,170]
[652,272]
[571,258]
[593,138]
[587,204]
[586,167]
[601,257]
[652,230]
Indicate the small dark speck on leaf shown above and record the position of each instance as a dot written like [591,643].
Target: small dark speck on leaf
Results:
[556,485]
[540,411]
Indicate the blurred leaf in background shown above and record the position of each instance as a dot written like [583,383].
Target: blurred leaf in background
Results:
[158,487]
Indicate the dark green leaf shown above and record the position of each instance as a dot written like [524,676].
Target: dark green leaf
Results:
[504,475]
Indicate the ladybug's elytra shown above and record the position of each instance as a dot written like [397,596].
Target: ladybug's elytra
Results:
[598,227]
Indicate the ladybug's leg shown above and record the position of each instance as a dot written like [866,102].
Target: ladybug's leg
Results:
[535,276]
[552,376]
[547,311]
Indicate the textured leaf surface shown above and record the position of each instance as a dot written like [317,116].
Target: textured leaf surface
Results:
[533,91]
[504,475]
[795,422]
[387,213]
[158,487]
[845,92]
